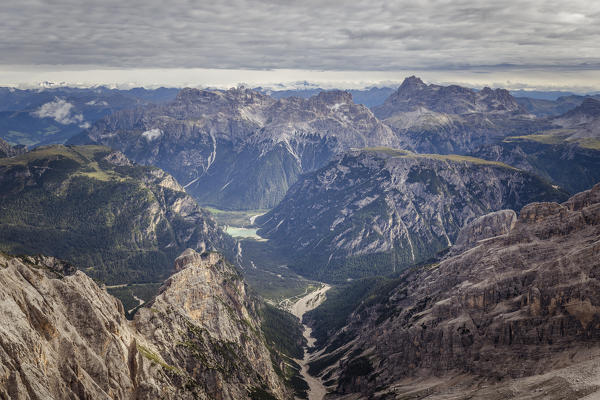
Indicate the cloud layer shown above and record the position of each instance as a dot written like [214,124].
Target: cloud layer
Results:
[329,35]
[61,111]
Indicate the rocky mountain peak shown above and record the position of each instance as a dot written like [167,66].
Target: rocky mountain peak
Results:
[414,95]
[498,100]
[191,257]
[412,83]
[334,97]
[590,107]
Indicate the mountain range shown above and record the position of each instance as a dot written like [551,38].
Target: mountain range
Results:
[240,149]
[379,210]
[439,228]
[452,119]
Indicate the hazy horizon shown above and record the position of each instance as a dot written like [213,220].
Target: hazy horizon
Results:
[538,45]
[586,81]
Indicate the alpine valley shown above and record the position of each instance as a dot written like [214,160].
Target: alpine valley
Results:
[419,241]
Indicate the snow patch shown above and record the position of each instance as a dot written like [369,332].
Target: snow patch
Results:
[96,103]
[152,134]
[337,106]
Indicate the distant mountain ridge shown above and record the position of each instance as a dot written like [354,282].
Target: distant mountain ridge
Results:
[414,94]
[551,108]
[239,148]
[453,119]
[52,115]
[369,97]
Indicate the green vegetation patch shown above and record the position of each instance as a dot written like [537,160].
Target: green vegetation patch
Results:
[282,331]
[258,393]
[127,295]
[156,359]
[397,153]
[70,203]
[266,269]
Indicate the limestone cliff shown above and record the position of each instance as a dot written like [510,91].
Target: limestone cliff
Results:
[516,316]
[63,337]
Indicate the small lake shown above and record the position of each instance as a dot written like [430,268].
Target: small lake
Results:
[243,232]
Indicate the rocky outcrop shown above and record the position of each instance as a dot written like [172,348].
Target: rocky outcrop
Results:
[239,148]
[63,337]
[121,222]
[377,211]
[487,226]
[517,316]
[6,150]
[452,119]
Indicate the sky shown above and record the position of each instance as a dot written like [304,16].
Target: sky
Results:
[535,44]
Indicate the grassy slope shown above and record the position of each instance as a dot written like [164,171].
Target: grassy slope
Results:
[448,157]
[557,136]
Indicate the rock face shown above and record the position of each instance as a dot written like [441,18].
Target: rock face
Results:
[6,150]
[63,337]
[92,207]
[239,148]
[582,123]
[517,305]
[452,119]
[388,209]
[490,225]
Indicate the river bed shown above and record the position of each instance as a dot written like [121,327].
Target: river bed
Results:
[312,300]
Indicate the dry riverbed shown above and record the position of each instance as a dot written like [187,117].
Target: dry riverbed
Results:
[306,303]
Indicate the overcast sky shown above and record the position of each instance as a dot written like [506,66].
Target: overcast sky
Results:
[540,43]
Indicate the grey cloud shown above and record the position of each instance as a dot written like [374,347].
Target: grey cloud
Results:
[328,35]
